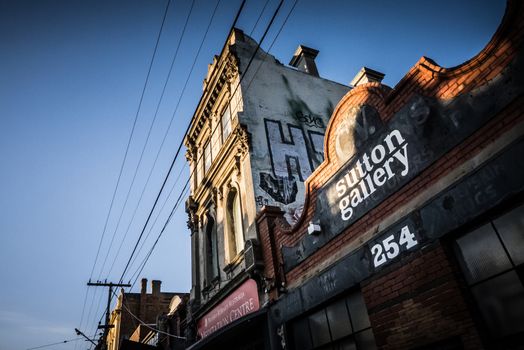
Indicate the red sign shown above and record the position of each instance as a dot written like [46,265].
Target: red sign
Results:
[239,303]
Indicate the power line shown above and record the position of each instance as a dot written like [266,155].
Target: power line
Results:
[230,99]
[127,148]
[158,215]
[175,207]
[166,133]
[52,344]
[145,324]
[165,180]
[147,138]
[179,148]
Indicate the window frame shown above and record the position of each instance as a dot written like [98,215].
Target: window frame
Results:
[352,335]
[232,236]
[517,268]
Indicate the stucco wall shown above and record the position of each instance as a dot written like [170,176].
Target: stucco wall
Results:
[286,112]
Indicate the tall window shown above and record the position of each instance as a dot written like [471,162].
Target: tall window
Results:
[226,123]
[200,166]
[207,157]
[235,232]
[343,324]
[211,249]
[492,259]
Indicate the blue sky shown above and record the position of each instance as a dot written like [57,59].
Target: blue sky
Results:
[71,76]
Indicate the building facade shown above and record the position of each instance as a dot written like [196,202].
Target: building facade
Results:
[255,137]
[412,233]
[134,311]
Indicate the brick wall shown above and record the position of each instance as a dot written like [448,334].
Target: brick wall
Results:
[418,300]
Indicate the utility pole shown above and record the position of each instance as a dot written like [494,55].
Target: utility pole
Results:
[107,326]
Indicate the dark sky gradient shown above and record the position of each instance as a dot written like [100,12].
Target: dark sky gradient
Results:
[71,75]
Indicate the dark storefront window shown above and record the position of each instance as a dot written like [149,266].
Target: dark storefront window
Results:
[491,258]
[341,325]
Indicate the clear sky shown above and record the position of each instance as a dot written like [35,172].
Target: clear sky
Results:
[71,77]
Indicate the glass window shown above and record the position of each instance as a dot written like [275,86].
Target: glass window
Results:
[226,123]
[490,257]
[511,230]
[235,232]
[200,166]
[319,328]
[211,249]
[207,157]
[301,328]
[358,311]
[482,254]
[331,327]
[365,340]
[501,301]
[338,318]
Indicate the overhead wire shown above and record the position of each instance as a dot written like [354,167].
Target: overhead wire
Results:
[53,344]
[136,275]
[163,184]
[147,140]
[229,101]
[187,182]
[168,128]
[126,152]
[178,151]
[144,323]
[158,215]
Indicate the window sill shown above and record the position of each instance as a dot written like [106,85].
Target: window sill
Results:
[234,262]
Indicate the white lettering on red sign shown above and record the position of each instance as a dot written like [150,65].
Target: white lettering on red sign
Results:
[241,302]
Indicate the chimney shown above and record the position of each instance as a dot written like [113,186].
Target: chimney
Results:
[144,286]
[155,286]
[304,60]
[366,75]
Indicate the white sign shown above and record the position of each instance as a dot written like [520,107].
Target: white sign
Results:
[390,247]
[372,171]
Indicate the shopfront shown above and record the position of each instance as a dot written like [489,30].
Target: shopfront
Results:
[412,235]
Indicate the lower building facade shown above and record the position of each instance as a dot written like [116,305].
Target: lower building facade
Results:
[412,231]
[412,235]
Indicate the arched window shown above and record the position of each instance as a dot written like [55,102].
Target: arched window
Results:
[211,248]
[235,232]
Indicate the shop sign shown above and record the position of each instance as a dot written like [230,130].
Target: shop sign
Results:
[419,134]
[239,303]
[498,180]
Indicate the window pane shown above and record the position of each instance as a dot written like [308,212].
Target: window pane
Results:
[226,123]
[338,319]
[319,328]
[216,139]
[200,167]
[358,312]
[301,336]
[511,230]
[501,301]
[347,344]
[237,219]
[365,340]
[207,157]
[482,254]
